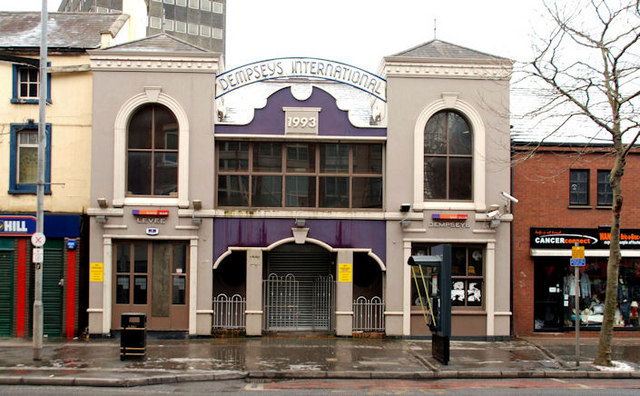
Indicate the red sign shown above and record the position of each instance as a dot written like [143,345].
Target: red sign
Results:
[150,212]
[449,216]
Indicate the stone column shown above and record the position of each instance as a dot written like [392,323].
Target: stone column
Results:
[344,293]
[253,313]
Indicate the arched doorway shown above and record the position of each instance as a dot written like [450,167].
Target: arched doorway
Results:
[299,288]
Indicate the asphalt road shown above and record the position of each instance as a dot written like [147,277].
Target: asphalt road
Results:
[496,387]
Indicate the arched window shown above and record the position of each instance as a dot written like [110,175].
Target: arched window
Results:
[448,158]
[152,152]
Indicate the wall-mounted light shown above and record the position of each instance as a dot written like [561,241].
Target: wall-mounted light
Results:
[101,219]
[300,222]
[404,223]
[197,204]
[405,207]
[196,220]
[494,223]
[102,203]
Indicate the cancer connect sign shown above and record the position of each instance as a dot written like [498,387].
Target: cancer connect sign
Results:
[281,68]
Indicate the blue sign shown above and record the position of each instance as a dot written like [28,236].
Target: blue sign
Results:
[72,244]
[578,262]
[17,225]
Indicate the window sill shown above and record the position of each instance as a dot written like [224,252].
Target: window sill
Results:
[601,207]
[27,191]
[580,207]
[27,101]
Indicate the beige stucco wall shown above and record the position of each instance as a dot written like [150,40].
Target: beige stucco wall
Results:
[192,94]
[408,97]
[70,116]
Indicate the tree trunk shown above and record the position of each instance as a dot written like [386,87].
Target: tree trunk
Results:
[603,353]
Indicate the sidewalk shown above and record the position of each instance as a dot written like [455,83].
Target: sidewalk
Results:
[97,362]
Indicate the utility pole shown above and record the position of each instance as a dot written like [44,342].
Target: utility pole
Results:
[42,141]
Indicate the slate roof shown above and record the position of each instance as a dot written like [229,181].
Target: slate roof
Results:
[65,31]
[438,49]
[161,42]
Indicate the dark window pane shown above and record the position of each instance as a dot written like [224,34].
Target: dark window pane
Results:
[28,166]
[165,128]
[266,191]
[233,156]
[140,289]
[33,90]
[233,190]
[179,259]
[460,178]
[178,294]
[334,192]
[435,178]
[474,293]
[139,173]
[123,258]
[459,135]
[140,254]
[367,158]
[367,192]
[605,194]
[435,134]
[334,158]
[301,158]
[166,174]
[459,261]
[475,262]
[267,157]
[579,187]
[140,129]
[301,191]
[122,289]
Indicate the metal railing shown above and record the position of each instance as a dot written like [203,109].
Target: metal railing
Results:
[228,312]
[368,315]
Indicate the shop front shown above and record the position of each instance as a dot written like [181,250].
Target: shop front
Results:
[555,291]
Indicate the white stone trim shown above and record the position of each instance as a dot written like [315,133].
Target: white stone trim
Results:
[406,295]
[450,101]
[112,62]
[490,286]
[495,71]
[193,285]
[151,95]
[107,279]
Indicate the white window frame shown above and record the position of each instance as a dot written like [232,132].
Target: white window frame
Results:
[205,5]
[192,29]
[217,8]
[450,101]
[181,27]
[151,95]
[205,31]
[216,33]
[155,22]
[194,4]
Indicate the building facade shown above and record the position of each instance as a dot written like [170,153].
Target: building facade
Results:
[565,198]
[68,130]
[200,22]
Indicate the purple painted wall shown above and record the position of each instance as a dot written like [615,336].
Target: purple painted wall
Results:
[331,120]
[367,234]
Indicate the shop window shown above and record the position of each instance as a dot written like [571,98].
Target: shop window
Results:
[579,187]
[447,157]
[26,85]
[152,152]
[299,175]
[605,194]
[555,294]
[467,276]
[23,171]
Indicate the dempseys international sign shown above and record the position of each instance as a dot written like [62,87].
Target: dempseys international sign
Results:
[555,238]
[301,67]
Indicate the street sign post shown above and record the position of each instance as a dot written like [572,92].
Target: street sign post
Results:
[577,261]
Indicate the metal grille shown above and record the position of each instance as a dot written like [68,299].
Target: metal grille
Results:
[368,315]
[281,302]
[228,312]
[323,291]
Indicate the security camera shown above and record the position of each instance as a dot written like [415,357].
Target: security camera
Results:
[509,197]
[493,214]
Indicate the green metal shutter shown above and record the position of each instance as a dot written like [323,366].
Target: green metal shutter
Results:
[52,291]
[6,292]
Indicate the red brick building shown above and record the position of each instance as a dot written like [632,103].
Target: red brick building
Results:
[564,196]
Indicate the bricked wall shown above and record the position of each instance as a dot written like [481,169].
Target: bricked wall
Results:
[541,183]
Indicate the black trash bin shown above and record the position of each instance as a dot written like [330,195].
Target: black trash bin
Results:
[133,339]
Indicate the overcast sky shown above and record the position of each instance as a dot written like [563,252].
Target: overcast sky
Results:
[361,32]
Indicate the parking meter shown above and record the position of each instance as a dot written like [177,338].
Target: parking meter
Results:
[434,272]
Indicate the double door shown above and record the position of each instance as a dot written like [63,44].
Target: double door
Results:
[151,277]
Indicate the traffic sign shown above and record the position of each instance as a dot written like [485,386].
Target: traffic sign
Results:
[38,255]
[577,252]
[578,262]
[38,239]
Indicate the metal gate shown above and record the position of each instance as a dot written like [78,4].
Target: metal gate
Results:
[292,305]
[299,289]
[6,292]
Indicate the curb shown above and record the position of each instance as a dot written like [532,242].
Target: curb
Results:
[267,375]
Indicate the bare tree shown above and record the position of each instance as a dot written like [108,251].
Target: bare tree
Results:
[591,64]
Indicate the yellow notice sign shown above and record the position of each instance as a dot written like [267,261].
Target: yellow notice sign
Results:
[345,273]
[96,272]
[577,252]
